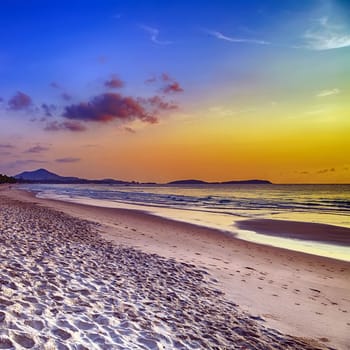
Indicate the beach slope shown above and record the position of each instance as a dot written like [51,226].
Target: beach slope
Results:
[119,279]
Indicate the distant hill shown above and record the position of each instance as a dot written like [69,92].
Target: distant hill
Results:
[187,182]
[247,182]
[45,176]
[233,182]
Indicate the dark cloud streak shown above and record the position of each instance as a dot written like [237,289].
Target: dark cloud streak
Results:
[65,126]
[323,171]
[110,106]
[48,109]
[7,146]
[37,149]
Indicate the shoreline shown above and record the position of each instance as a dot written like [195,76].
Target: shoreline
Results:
[274,284]
[318,239]
[288,229]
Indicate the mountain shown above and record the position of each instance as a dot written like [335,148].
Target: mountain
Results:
[247,182]
[233,182]
[187,182]
[43,175]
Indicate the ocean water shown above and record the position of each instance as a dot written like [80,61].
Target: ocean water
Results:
[221,206]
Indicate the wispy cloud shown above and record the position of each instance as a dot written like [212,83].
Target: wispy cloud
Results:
[154,34]
[221,36]
[316,111]
[326,36]
[323,171]
[22,163]
[73,126]
[4,154]
[326,93]
[130,130]
[7,146]
[67,160]
[36,149]
[48,109]
[66,96]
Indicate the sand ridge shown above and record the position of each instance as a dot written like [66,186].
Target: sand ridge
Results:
[64,287]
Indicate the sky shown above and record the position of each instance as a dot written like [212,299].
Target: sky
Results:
[159,91]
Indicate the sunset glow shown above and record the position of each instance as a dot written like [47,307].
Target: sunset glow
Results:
[158,91]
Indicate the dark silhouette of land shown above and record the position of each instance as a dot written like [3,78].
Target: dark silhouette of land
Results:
[4,179]
[45,176]
[233,182]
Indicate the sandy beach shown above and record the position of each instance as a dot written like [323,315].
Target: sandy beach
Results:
[83,277]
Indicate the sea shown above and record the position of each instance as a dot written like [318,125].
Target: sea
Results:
[222,206]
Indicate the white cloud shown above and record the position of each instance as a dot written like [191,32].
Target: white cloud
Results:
[222,111]
[222,36]
[326,36]
[154,33]
[315,111]
[326,93]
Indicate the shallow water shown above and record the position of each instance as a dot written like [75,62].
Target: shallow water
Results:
[220,206]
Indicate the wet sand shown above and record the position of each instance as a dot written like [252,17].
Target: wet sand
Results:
[156,284]
[300,230]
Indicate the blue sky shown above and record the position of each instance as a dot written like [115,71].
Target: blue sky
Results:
[221,58]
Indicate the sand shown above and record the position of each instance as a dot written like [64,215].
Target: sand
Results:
[78,277]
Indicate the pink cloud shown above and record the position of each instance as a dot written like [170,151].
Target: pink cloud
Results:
[160,104]
[172,87]
[114,83]
[20,101]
